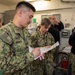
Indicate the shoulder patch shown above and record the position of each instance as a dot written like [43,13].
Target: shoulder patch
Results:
[5,36]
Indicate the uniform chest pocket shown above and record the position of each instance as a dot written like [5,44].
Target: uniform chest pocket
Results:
[18,44]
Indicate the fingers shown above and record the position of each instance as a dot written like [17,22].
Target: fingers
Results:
[42,56]
[36,52]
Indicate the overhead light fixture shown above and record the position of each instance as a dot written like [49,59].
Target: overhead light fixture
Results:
[37,0]
[46,0]
[29,0]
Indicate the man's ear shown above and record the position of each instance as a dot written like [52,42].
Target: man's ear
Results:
[20,12]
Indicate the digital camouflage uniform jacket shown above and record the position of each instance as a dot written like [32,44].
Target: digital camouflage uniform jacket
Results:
[14,56]
[73,63]
[72,43]
[43,67]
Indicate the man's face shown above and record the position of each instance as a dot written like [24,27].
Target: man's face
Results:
[44,29]
[26,18]
[53,20]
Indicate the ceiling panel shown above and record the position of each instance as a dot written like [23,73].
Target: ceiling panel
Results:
[13,2]
[9,2]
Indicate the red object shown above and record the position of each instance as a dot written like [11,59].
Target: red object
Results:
[65,64]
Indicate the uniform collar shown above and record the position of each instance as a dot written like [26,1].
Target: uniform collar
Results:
[42,34]
[16,29]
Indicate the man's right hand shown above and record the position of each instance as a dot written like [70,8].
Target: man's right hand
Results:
[36,52]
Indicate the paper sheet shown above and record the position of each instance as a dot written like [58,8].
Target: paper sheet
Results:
[67,49]
[44,49]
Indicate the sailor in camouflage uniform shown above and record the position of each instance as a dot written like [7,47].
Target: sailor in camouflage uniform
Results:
[42,38]
[14,42]
[72,55]
[73,63]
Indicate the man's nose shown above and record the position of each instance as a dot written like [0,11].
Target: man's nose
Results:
[46,29]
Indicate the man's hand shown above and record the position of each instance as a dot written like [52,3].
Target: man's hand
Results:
[42,56]
[56,22]
[36,52]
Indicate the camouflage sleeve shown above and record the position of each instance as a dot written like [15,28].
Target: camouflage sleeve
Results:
[9,62]
[55,51]
[52,39]
[34,40]
[52,42]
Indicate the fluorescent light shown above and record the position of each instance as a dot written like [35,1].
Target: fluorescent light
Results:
[29,0]
[37,0]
